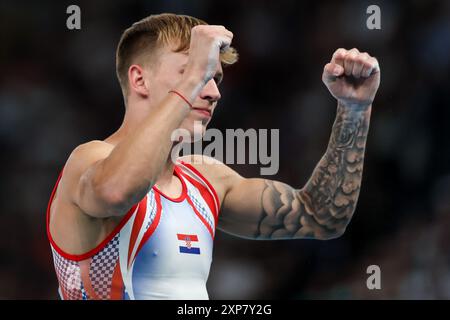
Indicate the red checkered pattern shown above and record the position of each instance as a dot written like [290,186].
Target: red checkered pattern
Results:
[69,276]
[102,268]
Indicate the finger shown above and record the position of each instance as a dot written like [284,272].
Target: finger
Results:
[228,33]
[331,71]
[349,61]
[370,67]
[338,56]
[359,64]
[224,43]
[223,30]
[376,67]
[225,39]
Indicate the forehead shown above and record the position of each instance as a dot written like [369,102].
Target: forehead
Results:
[169,59]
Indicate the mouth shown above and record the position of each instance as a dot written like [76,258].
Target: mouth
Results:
[204,112]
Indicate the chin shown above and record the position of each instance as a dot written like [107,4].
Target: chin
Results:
[192,133]
[193,129]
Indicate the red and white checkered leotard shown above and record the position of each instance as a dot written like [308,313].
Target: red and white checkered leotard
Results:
[162,248]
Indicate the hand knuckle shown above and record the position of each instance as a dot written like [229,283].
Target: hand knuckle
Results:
[339,52]
[350,57]
[360,59]
[367,64]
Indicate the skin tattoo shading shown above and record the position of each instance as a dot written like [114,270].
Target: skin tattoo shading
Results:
[325,205]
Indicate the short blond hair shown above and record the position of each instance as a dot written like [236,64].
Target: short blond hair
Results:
[141,40]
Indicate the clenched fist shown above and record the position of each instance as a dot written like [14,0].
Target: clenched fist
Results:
[352,77]
[207,42]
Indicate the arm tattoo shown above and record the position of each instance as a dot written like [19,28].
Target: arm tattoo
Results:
[324,206]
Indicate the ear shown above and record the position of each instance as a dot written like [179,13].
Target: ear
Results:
[137,81]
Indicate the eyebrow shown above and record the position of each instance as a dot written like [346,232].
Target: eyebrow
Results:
[218,77]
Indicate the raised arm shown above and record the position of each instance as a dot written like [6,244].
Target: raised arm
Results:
[265,209]
[106,181]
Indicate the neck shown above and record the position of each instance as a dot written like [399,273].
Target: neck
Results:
[136,111]
[166,177]
[133,117]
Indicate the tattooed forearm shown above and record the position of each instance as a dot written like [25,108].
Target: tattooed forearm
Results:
[324,206]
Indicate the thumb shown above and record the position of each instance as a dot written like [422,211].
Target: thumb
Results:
[331,71]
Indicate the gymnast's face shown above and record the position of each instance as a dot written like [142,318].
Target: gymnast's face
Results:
[168,72]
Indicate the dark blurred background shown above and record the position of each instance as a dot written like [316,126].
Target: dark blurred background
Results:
[58,89]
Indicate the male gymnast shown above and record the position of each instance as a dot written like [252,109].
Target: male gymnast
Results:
[126,222]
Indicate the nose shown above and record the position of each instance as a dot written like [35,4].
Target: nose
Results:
[210,92]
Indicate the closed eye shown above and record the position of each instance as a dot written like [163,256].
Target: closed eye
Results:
[218,78]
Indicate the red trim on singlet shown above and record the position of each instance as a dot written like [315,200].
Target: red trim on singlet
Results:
[206,195]
[182,196]
[205,181]
[154,224]
[117,285]
[137,224]
[98,248]
[211,232]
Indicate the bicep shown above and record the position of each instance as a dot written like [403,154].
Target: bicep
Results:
[79,173]
[241,208]
[266,209]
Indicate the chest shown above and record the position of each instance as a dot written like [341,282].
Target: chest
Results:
[174,239]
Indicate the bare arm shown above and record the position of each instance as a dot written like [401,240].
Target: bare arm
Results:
[111,182]
[108,181]
[322,209]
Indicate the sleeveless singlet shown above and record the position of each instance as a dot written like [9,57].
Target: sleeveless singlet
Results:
[161,249]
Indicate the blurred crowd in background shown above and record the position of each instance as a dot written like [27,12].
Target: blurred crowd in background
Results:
[58,89]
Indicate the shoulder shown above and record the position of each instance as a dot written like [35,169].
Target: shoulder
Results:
[91,149]
[211,167]
[221,176]
[87,153]
[81,158]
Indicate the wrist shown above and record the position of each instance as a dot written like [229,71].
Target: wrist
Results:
[190,87]
[354,107]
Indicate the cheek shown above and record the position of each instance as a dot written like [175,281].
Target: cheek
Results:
[170,77]
[160,84]
[158,91]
